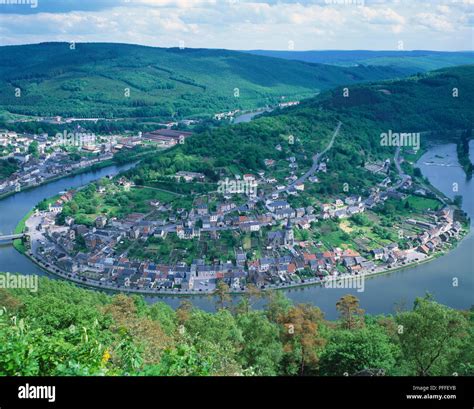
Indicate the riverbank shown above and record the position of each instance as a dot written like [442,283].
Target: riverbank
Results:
[91,168]
[20,228]
[193,293]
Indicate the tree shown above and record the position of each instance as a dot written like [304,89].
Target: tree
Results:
[222,294]
[33,149]
[184,360]
[184,310]
[216,336]
[430,336]
[301,338]
[164,314]
[360,349]
[458,200]
[351,314]
[261,349]
[278,305]
[8,301]
[141,332]
[249,297]
[43,205]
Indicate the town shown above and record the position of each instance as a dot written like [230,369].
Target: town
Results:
[40,158]
[246,232]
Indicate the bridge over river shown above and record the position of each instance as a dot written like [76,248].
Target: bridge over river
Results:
[8,237]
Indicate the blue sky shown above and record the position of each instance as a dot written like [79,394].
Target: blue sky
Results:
[245,24]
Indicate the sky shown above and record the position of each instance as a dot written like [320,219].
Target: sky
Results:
[245,24]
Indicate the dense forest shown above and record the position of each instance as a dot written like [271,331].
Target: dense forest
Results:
[65,330]
[120,80]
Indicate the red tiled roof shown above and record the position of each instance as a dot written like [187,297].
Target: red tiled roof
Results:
[308,256]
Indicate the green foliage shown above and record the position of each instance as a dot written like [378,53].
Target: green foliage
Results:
[8,167]
[431,336]
[163,83]
[65,330]
[353,351]
[261,348]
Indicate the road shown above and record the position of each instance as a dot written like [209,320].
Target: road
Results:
[316,158]
[404,177]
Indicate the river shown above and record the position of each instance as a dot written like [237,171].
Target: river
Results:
[382,293]
[247,117]
[13,209]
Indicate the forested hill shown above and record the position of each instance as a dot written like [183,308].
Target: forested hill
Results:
[416,60]
[437,100]
[422,103]
[90,80]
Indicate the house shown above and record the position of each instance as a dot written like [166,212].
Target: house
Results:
[187,233]
[206,222]
[284,214]
[69,221]
[265,263]
[100,222]
[167,137]
[202,210]
[292,191]
[189,176]
[90,241]
[278,205]
[308,257]
[322,167]
[299,186]
[299,212]
[134,233]
[341,213]
[160,233]
[68,265]
[303,224]
[250,226]
[378,253]
[424,249]
[240,258]
[354,209]
[275,238]
[352,200]
[56,208]
[225,207]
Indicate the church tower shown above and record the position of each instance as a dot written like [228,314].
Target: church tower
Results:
[289,236]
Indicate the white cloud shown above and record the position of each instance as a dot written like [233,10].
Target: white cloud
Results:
[434,22]
[248,24]
[382,16]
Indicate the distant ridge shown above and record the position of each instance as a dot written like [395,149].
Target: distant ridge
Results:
[416,60]
[90,80]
